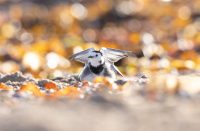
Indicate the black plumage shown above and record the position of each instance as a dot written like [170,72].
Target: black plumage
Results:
[96,70]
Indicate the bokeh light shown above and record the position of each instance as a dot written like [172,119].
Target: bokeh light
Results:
[161,77]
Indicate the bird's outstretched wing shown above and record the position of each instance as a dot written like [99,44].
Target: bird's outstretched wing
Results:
[116,70]
[114,55]
[81,56]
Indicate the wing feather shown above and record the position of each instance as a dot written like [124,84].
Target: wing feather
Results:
[114,55]
[81,56]
[116,70]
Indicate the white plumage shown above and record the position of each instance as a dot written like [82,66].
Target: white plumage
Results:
[99,63]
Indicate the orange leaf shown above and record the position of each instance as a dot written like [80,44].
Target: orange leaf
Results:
[105,81]
[30,87]
[100,80]
[4,87]
[51,85]
[69,91]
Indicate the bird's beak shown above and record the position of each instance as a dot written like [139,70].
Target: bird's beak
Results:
[90,57]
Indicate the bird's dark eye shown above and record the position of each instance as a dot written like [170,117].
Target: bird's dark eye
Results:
[96,55]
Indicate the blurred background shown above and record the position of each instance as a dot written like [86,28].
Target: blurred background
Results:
[38,36]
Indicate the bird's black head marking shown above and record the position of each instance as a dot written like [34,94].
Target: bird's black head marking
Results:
[98,52]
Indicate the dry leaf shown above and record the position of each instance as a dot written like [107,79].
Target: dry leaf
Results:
[32,88]
[51,85]
[4,87]
[72,92]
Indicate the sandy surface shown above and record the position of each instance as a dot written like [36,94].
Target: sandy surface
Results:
[99,111]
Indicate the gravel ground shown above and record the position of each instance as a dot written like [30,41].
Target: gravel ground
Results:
[100,111]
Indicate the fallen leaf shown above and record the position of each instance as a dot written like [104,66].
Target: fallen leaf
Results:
[51,85]
[4,87]
[30,87]
[72,92]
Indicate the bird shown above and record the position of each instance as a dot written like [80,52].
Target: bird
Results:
[99,62]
